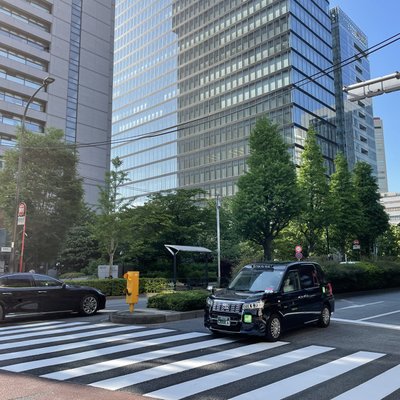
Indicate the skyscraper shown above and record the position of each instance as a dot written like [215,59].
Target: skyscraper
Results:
[72,42]
[354,119]
[192,77]
[380,155]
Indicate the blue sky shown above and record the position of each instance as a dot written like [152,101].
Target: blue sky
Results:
[379,20]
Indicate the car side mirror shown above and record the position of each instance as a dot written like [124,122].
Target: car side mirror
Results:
[211,288]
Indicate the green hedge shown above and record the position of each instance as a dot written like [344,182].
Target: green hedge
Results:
[353,277]
[179,301]
[116,286]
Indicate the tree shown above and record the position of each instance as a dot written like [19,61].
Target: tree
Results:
[49,186]
[173,217]
[79,247]
[268,196]
[313,182]
[110,227]
[346,217]
[375,220]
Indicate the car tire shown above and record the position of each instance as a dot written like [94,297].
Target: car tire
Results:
[273,329]
[325,317]
[89,305]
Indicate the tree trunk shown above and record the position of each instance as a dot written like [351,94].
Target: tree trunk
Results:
[267,246]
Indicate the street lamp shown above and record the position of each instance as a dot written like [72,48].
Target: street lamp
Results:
[46,82]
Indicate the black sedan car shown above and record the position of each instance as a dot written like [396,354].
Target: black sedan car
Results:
[265,299]
[30,293]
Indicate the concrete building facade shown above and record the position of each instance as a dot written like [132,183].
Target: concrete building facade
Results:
[391,202]
[381,155]
[72,42]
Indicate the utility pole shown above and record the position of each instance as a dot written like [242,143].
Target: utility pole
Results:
[218,206]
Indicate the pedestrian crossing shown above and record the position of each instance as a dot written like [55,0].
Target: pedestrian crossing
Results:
[168,364]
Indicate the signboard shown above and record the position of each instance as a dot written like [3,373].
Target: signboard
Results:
[21,220]
[298,249]
[356,245]
[5,249]
[299,255]
[21,209]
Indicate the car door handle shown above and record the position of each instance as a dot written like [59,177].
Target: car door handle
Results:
[6,293]
[304,296]
[42,291]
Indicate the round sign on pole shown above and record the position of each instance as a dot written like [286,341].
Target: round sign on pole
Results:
[21,209]
[298,249]
[299,255]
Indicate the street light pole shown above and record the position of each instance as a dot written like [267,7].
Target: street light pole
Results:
[46,81]
[218,206]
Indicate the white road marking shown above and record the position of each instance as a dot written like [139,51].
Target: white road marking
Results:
[62,338]
[138,358]
[365,323]
[360,305]
[208,382]
[376,388]
[305,380]
[379,315]
[91,353]
[75,345]
[184,365]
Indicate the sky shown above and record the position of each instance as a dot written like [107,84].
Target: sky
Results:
[379,20]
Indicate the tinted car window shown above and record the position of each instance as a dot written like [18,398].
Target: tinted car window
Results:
[42,280]
[308,277]
[16,281]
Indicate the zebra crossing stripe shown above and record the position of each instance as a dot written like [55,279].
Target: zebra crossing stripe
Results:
[135,359]
[19,328]
[71,346]
[91,353]
[49,332]
[305,380]
[376,388]
[180,366]
[195,386]
[62,338]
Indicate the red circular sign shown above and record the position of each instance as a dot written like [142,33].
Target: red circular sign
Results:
[21,209]
[298,249]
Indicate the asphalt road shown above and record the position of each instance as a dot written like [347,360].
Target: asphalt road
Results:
[362,340]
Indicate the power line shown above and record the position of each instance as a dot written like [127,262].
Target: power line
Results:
[245,105]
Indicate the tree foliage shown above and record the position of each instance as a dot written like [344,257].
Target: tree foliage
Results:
[313,183]
[268,196]
[346,216]
[110,226]
[50,187]
[375,220]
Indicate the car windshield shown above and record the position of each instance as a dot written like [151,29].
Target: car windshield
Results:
[257,280]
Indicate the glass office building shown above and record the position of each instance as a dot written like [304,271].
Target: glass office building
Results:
[192,77]
[355,122]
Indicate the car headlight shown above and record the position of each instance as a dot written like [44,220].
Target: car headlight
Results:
[254,305]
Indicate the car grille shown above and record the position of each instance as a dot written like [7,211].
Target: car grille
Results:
[233,307]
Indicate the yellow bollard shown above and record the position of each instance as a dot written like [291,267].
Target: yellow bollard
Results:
[132,289]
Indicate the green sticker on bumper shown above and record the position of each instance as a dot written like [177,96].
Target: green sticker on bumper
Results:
[247,318]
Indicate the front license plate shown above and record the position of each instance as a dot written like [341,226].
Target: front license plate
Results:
[225,321]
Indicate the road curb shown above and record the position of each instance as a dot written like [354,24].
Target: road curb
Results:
[153,317]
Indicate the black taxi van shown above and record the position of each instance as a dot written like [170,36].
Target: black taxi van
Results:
[265,299]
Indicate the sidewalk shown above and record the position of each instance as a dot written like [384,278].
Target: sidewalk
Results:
[15,386]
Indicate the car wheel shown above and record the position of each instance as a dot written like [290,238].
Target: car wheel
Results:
[274,328]
[89,305]
[325,317]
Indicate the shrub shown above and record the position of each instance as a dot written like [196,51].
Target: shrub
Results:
[116,286]
[179,301]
